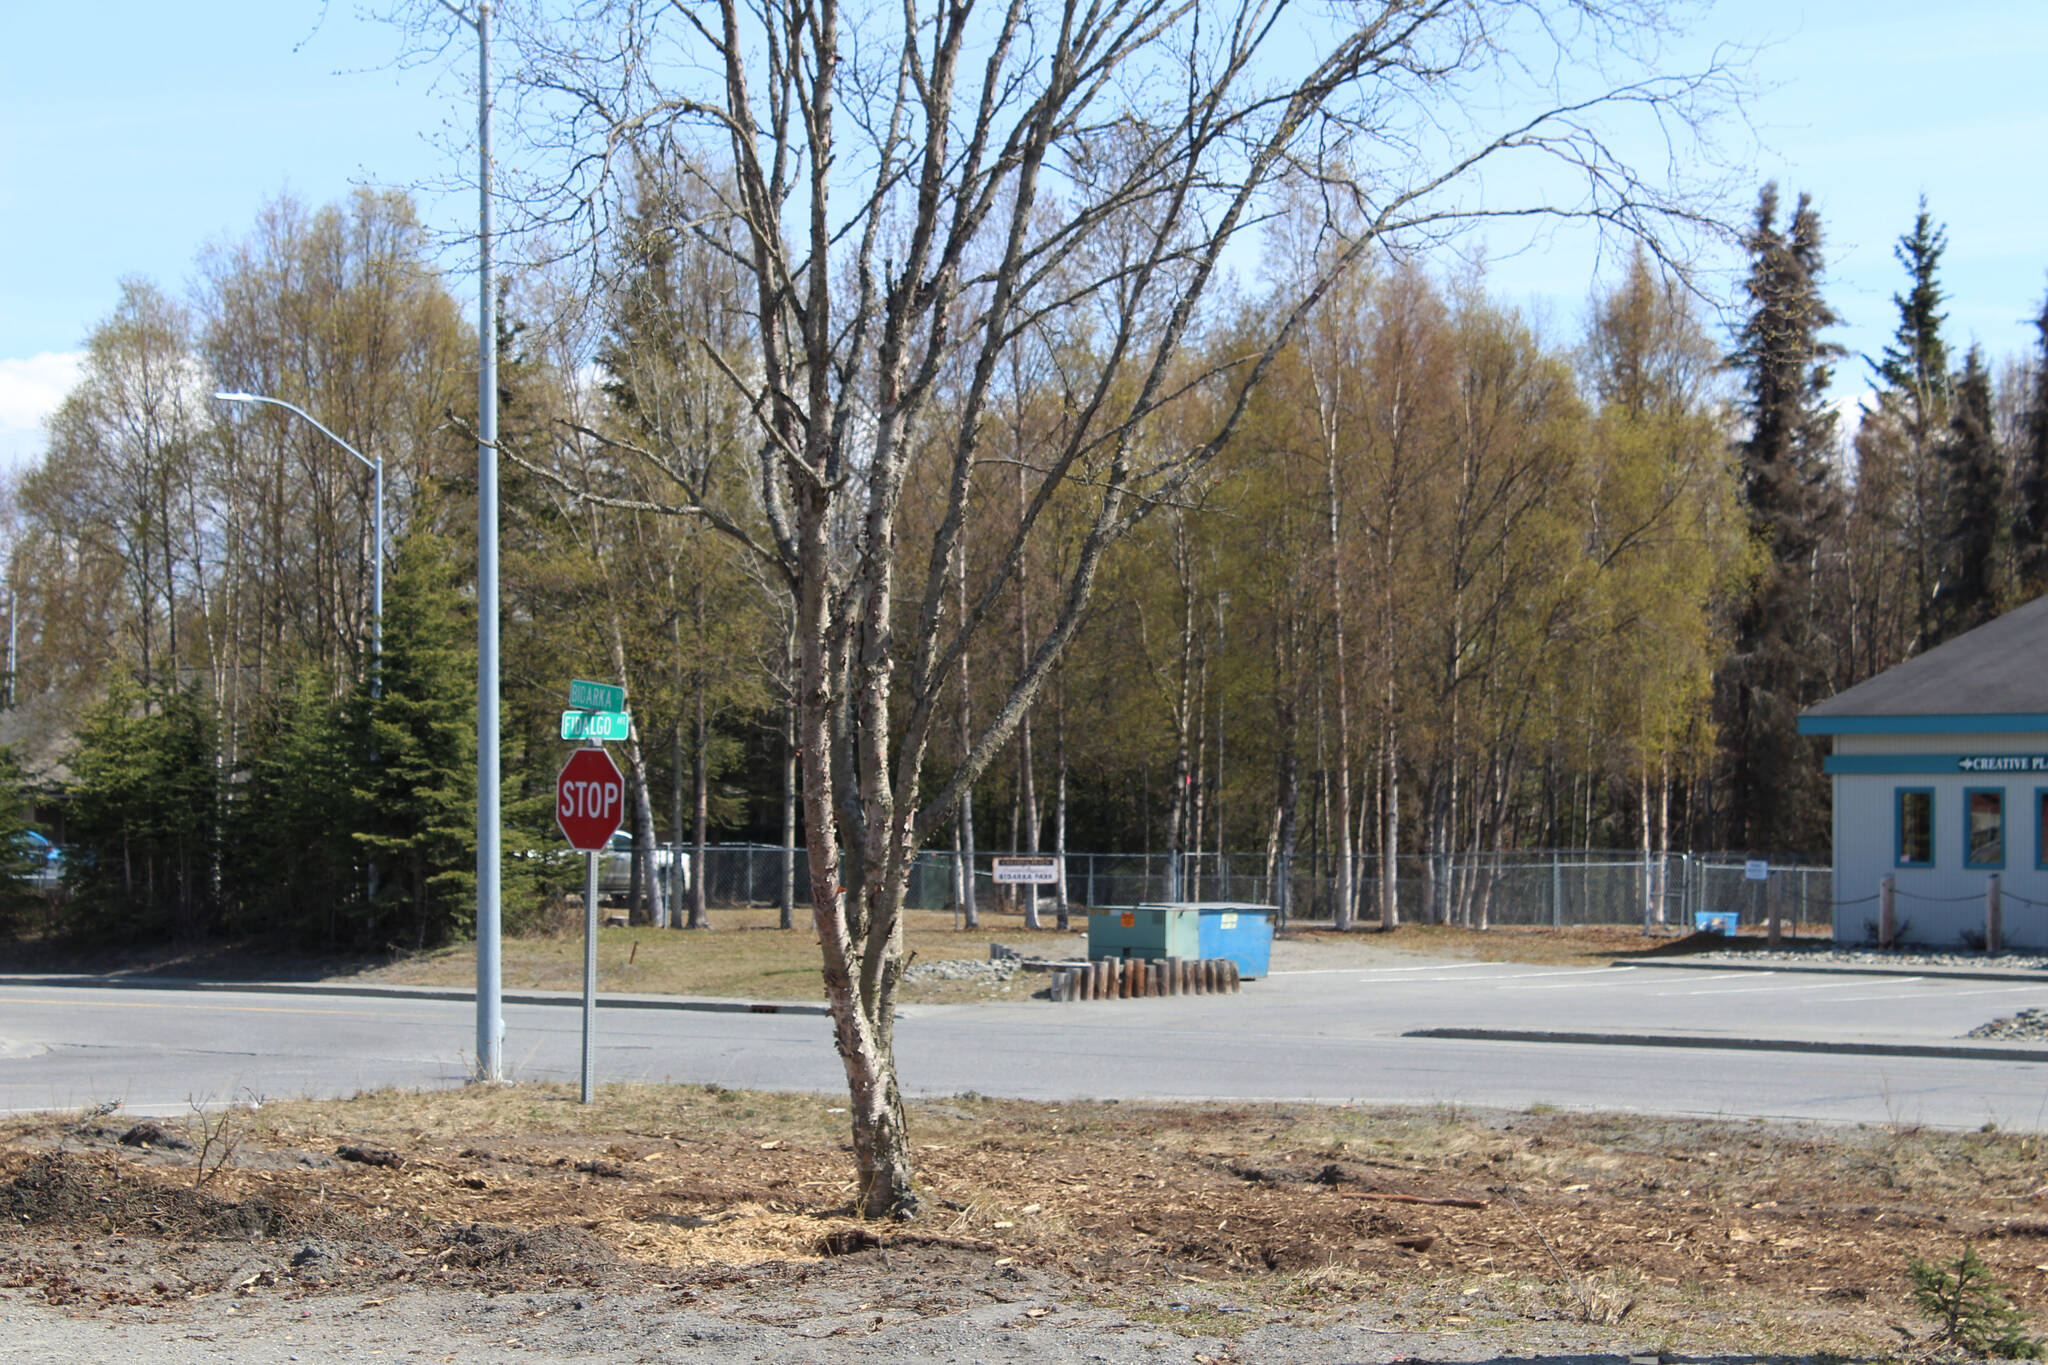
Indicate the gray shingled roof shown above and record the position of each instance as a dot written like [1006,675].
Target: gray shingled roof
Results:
[1998,669]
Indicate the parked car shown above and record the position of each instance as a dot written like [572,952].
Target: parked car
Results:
[48,862]
[615,867]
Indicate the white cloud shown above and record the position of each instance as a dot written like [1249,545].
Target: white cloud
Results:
[30,391]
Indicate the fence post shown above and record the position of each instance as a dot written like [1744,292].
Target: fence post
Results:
[1556,891]
[1771,904]
[1887,914]
[1994,915]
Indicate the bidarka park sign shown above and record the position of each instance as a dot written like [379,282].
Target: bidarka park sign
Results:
[2003,763]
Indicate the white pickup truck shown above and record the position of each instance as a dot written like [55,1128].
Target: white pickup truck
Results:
[615,867]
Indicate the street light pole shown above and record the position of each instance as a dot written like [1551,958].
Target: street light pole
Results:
[376,468]
[490,1019]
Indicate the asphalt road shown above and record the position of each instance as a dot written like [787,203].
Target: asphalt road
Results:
[1339,1036]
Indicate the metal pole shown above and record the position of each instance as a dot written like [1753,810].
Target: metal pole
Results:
[377,595]
[589,971]
[490,1022]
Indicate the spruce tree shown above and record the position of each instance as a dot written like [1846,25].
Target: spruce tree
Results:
[22,858]
[1913,398]
[2030,517]
[292,866]
[417,800]
[1972,479]
[144,801]
[1775,797]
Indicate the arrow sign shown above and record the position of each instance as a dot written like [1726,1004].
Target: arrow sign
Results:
[594,696]
[596,725]
[590,799]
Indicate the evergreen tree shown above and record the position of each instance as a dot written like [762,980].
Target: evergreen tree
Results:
[1913,400]
[1915,365]
[2030,520]
[417,798]
[1775,798]
[143,815]
[1965,593]
[292,865]
[23,857]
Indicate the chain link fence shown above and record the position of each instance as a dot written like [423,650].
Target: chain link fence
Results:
[1543,887]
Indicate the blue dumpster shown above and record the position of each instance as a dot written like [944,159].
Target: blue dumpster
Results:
[1239,931]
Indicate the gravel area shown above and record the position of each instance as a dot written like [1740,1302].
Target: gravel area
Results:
[1798,955]
[1002,969]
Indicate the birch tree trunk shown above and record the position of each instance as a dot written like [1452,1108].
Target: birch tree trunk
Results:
[1001,180]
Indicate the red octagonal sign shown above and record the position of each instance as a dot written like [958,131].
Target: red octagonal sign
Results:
[590,799]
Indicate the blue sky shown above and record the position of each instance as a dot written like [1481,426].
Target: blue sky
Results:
[131,134]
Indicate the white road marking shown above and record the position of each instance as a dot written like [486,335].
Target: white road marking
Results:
[1803,986]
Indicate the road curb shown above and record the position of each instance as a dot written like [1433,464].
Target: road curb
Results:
[1834,969]
[1951,1051]
[701,1004]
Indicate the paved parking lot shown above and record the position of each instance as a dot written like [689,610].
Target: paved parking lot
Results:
[1332,1036]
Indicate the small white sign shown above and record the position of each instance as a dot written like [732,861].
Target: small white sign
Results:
[1027,871]
[1757,870]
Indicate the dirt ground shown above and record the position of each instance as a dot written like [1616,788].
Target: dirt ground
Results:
[718,1219]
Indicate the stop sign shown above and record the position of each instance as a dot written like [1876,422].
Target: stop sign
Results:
[590,799]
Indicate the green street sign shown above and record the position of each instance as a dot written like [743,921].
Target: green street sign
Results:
[596,724]
[591,696]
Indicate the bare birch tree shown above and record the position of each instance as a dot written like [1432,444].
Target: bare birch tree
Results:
[921,192]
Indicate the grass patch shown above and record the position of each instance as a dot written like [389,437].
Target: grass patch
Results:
[743,955]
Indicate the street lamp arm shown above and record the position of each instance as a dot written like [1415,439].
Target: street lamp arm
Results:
[236,397]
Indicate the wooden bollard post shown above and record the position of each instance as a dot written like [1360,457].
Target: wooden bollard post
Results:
[1994,915]
[1170,975]
[1236,981]
[1887,911]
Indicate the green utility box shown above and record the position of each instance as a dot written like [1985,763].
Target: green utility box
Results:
[1152,933]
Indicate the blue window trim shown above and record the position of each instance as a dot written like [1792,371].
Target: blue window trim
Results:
[2040,832]
[1899,795]
[1969,792]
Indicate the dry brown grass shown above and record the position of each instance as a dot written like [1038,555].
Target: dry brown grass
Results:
[1763,1236]
[743,954]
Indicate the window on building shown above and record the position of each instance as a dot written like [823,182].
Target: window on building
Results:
[1984,833]
[2041,827]
[1915,827]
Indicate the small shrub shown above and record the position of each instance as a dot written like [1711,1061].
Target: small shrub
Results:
[1972,1309]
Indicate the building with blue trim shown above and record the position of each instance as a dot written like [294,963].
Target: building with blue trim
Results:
[1940,777]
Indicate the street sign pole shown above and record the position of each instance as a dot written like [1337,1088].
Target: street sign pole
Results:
[589,1083]
[589,974]
[590,797]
